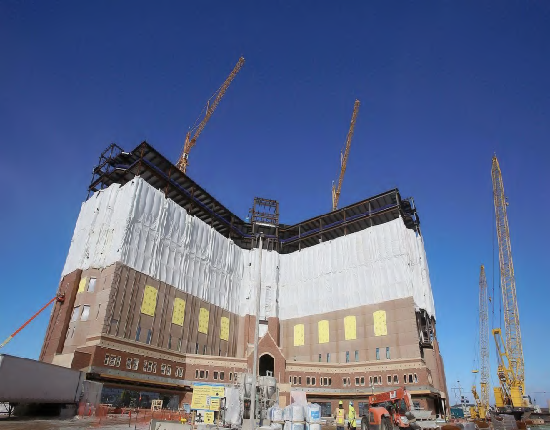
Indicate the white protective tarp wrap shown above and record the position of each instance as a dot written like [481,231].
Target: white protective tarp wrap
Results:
[136,225]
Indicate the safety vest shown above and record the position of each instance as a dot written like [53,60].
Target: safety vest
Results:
[352,416]
[340,417]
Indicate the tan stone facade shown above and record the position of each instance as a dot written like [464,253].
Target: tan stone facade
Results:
[102,329]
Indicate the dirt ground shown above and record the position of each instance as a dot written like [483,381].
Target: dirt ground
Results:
[111,423]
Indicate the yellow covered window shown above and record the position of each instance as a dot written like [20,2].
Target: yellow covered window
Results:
[323,331]
[380,327]
[178,314]
[149,301]
[204,317]
[350,327]
[224,328]
[81,285]
[299,339]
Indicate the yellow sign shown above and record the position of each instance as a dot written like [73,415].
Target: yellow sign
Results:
[178,314]
[224,329]
[299,339]
[204,316]
[350,327]
[215,404]
[81,285]
[380,327]
[149,301]
[209,417]
[323,331]
[207,397]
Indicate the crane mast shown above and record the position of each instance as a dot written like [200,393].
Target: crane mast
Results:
[196,130]
[483,404]
[344,160]
[507,279]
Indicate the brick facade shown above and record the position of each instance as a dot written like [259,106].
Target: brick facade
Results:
[119,344]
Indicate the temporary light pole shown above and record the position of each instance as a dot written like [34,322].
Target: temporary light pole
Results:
[256,336]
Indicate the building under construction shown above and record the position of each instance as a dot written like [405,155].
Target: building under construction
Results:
[160,285]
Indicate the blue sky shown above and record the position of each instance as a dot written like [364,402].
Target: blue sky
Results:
[443,85]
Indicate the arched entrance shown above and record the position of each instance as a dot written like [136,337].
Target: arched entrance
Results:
[267,364]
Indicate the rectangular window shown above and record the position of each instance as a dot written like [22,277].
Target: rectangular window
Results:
[395,379]
[117,363]
[345,381]
[404,379]
[196,374]
[389,379]
[222,376]
[215,375]
[196,348]
[379,379]
[328,357]
[129,363]
[290,379]
[149,337]
[347,356]
[85,313]
[313,382]
[150,366]
[410,378]
[179,344]
[162,369]
[201,374]
[319,358]
[299,380]
[106,360]
[76,312]
[98,309]
[204,350]
[295,380]
[169,341]
[362,380]
[388,352]
[138,332]
[91,285]
[135,364]
[230,376]
[206,374]
[378,353]
[357,380]
[308,380]
[219,352]
[325,409]
[356,356]
[415,379]
[329,381]
[370,381]
[168,369]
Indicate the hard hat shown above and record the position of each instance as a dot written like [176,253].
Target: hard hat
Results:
[340,402]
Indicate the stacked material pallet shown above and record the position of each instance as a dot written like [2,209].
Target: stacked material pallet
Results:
[313,416]
[294,418]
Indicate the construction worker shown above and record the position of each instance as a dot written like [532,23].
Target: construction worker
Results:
[351,416]
[340,419]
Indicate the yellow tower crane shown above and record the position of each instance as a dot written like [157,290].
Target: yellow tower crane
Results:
[344,158]
[482,401]
[196,130]
[509,397]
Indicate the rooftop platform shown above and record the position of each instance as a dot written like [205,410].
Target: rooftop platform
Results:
[118,166]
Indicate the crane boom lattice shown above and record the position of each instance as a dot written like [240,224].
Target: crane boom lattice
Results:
[336,190]
[484,344]
[196,130]
[507,279]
